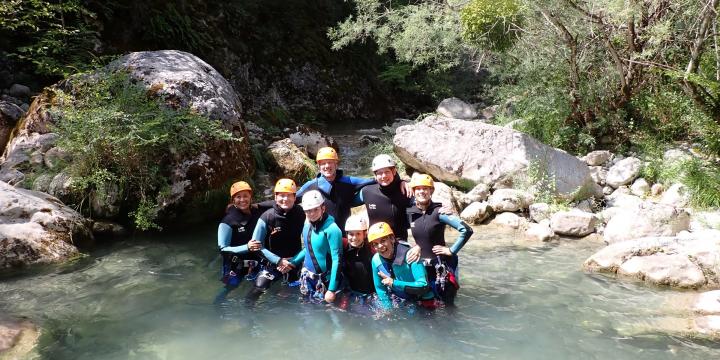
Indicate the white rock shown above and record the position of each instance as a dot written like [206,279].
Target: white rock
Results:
[676,155]
[622,200]
[573,223]
[539,212]
[479,193]
[649,219]
[457,109]
[443,194]
[484,153]
[36,228]
[708,303]
[598,157]
[676,195]
[503,200]
[510,220]
[657,189]
[624,172]
[700,220]
[640,187]
[607,190]
[608,213]
[598,174]
[310,140]
[540,231]
[476,212]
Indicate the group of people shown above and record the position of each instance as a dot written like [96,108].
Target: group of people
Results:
[308,237]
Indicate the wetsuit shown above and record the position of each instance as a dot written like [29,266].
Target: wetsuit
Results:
[340,194]
[388,204]
[279,232]
[357,273]
[409,280]
[321,266]
[428,229]
[234,232]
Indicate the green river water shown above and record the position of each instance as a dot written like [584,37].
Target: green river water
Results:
[152,298]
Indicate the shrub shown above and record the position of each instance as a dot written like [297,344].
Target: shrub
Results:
[116,134]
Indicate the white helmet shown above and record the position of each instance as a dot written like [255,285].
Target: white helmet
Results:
[312,199]
[382,161]
[356,223]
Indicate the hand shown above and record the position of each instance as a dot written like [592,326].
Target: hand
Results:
[441,250]
[254,245]
[413,254]
[387,281]
[406,189]
[329,296]
[446,209]
[284,266]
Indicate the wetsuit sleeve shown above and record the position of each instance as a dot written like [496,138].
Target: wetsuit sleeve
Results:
[224,237]
[259,234]
[336,248]
[382,291]
[465,231]
[417,287]
[298,259]
[303,189]
[265,205]
[359,182]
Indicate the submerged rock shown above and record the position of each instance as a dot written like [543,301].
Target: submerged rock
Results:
[18,338]
[541,231]
[36,228]
[488,154]
[573,223]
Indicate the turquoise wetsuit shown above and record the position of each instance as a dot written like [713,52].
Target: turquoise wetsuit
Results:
[409,280]
[326,240]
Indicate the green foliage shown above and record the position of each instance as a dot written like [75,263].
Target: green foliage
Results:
[490,24]
[171,25]
[57,37]
[117,135]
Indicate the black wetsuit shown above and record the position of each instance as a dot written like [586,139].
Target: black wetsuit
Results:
[357,268]
[388,204]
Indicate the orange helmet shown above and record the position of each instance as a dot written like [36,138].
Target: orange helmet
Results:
[378,231]
[285,186]
[421,180]
[239,186]
[327,153]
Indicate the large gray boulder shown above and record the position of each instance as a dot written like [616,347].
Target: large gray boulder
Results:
[36,228]
[454,150]
[291,162]
[9,115]
[457,109]
[649,219]
[691,260]
[182,80]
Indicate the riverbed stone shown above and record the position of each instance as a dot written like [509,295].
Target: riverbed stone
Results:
[575,223]
[489,154]
[311,140]
[503,200]
[36,228]
[18,338]
[476,212]
[657,189]
[598,174]
[540,231]
[457,109]
[689,260]
[598,157]
[478,193]
[623,200]
[649,219]
[9,116]
[640,187]
[443,194]
[291,162]
[511,220]
[676,195]
[707,303]
[701,220]
[539,212]
[624,172]
[108,229]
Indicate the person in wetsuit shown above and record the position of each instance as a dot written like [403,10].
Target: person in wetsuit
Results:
[427,226]
[277,237]
[395,279]
[234,232]
[320,276]
[357,268]
[338,190]
[385,201]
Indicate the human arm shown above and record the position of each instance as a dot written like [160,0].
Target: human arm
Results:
[383,293]
[464,229]
[334,237]
[224,237]
[264,205]
[259,235]
[418,286]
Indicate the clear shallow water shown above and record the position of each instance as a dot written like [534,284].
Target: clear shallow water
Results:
[152,299]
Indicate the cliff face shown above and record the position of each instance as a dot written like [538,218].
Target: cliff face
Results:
[275,53]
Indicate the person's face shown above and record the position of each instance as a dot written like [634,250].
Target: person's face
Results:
[423,194]
[356,238]
[384,246]
[385,176]
[242,199]
[315,214]
[328,168]
[285,200]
